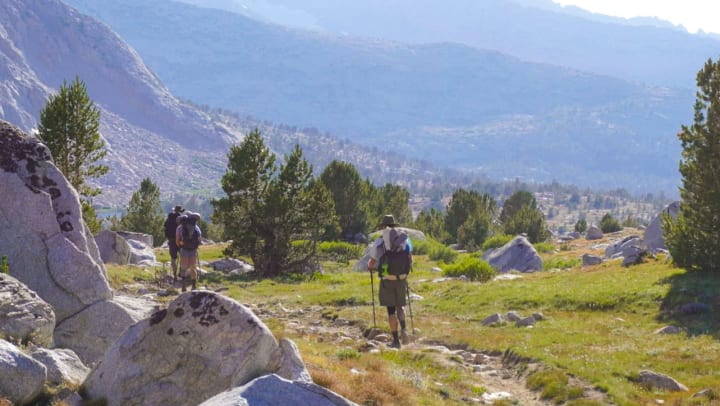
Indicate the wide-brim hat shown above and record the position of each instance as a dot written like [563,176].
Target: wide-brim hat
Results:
[388,221]
[178,209]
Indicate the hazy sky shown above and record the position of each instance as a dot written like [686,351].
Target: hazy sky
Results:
[692,14]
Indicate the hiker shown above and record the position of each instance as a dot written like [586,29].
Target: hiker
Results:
[188,238]
[391,254]
[171,223]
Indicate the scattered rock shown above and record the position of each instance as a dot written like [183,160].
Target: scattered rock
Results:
[63,365]
[518,254]
[24,316]
[593,233]
[21,377]
[668,330]
[275,390]
[493,319]
[590,260]
[656,380]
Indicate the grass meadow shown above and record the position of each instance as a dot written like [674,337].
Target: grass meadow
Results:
[598,326]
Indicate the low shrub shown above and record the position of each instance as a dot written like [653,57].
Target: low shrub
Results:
[561,263]
[340,251]
[472,268]
[442,253]
[421,247]
[496,241]
[543,247]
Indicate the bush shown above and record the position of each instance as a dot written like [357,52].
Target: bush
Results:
[340,251]
[561,263]
[439,252]
[543,247]
[608,224]
[472,268]
[581,226]
[4,267]
[422,247]
[496,241]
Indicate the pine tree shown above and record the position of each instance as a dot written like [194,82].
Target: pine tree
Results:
[69,127]
[520,214]
[275,216]
[346,189]
[469,217]
[694,238]
[144,212]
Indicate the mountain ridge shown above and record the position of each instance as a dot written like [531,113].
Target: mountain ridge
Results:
[385,93]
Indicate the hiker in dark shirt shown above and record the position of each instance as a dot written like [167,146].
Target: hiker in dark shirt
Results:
[171,224]
[392,255]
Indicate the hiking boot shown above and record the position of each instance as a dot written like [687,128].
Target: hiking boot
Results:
[404,337]
[194,286]
[395,344]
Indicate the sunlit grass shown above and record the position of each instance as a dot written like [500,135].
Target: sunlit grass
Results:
[598,325]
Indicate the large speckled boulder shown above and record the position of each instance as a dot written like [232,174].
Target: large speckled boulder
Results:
[202,344]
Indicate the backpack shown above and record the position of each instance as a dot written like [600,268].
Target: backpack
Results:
[190,236]
[396,258]
[190,233]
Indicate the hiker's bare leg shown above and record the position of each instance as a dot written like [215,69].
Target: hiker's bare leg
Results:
[400,310]
[193,274]
[393,320]
[393,323]
[403,330]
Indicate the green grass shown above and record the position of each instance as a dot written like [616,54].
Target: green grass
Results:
[598,326]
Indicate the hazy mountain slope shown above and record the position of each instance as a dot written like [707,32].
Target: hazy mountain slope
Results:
[447,103]
[148,132]
[533,30]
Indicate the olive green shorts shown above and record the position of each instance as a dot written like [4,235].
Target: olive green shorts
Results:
[392,293]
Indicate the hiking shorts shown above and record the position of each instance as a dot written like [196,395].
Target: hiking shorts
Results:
[393,293]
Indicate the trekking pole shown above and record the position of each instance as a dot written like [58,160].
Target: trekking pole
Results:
[372,289]
[412,325]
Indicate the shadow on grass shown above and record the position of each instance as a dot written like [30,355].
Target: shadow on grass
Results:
[693,303]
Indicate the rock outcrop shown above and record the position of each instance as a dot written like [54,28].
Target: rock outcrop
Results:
[114,249]
[654,238]
[49,247]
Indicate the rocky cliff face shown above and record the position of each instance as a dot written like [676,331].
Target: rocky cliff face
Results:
[148,132]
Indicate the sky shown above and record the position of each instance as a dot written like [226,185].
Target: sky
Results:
[692,14]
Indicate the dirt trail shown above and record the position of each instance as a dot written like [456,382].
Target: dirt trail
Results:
[502,375]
